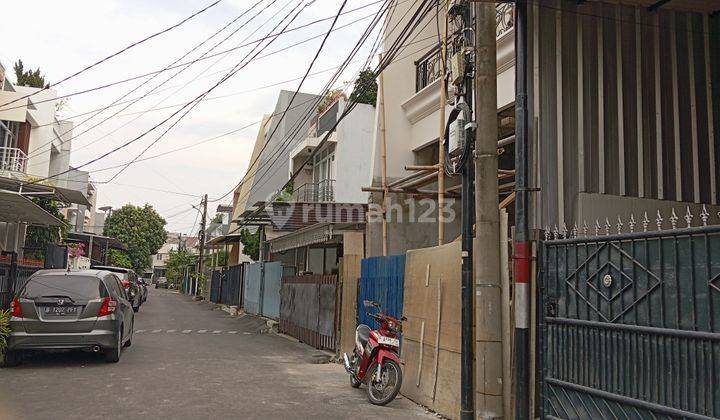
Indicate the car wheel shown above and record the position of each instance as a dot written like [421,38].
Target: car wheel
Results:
[112,355]
[128,343]
[12,358]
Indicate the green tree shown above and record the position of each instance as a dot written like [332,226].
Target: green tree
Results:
[328,100]
[365,89]
[118,258]
[220,259]
[251,243]
[39,237]
[140,229]
[176,264]
[30,77]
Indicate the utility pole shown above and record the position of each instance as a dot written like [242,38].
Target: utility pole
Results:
[488,287]
[521,247]
[201,239]
[461,142]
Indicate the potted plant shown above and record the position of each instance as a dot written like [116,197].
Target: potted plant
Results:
[4,332]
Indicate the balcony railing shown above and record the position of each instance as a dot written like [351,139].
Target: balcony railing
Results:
[427,68]
[320,192]
[12,159]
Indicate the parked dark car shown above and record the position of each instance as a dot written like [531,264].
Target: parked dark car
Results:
[60,309]
[161,282]
[129,280]
[143,284]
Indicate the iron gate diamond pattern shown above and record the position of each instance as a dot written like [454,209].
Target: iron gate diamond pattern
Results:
[715,282]
[612,301]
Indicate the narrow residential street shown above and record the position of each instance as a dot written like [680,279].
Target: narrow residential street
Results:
[190,361]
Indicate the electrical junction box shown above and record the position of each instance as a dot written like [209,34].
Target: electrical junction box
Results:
[457,68]
[456,136]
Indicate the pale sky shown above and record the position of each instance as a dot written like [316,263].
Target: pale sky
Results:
[69,35]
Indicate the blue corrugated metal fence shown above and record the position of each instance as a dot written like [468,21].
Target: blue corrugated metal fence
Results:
[382,280]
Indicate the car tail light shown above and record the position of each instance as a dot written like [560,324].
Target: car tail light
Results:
[108,307]
[126,284]
[15,308]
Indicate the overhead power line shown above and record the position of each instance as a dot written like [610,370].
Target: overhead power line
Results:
[388,56]
[236,130]
[134,44]
[197,100]
[247,44]
[189,104]
[300,122]
[75,135]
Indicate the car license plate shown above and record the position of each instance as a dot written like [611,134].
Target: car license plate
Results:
[389,341]
[61,310]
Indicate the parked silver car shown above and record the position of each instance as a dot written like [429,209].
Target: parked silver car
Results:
[59,309]
[161,282]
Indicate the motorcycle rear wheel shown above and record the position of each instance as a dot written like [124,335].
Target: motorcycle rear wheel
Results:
[384,389]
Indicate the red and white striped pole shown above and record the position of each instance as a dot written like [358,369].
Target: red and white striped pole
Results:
[521,248]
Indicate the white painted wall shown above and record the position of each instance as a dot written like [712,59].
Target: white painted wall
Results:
[412,119]
[42,119]
[352,155]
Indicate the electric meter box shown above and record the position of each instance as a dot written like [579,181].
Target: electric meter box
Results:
[457,68]
[456,136]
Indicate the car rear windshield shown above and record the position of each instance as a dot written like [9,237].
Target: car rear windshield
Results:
[74,287]
[122,273]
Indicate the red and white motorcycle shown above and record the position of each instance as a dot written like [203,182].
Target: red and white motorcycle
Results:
[376,358]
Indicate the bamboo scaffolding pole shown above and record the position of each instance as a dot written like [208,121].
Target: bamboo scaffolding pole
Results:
[428,193]
[383,157]
[421,167]
[426,179]
[406,179]
[441,138]
[507,200]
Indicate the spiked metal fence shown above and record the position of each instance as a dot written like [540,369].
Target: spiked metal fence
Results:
[630,322]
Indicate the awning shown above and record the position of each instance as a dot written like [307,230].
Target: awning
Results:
[65,195]
[316,234]
[111,242]
[15,208]
[311,235]
[224,239]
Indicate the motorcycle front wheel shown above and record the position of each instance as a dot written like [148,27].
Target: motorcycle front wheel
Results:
[384,389]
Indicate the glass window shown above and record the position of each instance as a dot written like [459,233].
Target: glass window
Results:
[316,263]
[72,286]
[331,260]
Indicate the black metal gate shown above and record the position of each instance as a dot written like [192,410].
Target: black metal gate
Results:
[631,325]
[226,286]
[12,276]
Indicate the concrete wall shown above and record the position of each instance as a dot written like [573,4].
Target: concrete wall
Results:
[403,234]
[412,123]
[60,161]
[273,173]
[78,180]
[352,155]
[42,119]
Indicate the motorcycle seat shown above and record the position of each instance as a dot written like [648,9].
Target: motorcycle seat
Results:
[363,334]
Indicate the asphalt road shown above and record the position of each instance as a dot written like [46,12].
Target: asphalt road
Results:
[190,361]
